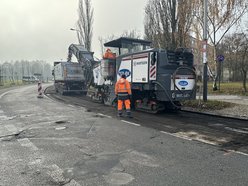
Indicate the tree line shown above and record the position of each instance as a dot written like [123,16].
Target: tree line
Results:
[14,71]
[179,23]
[235,49]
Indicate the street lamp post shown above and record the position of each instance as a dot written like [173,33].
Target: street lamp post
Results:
[205,40]
[78,35]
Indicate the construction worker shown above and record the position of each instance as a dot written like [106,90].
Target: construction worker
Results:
[123,93]
[109,54]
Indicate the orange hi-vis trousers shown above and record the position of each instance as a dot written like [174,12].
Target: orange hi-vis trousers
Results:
[126,102]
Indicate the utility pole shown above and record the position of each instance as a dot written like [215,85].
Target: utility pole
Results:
[204,54]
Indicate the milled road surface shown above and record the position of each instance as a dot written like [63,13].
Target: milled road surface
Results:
[59,142]
[227,134]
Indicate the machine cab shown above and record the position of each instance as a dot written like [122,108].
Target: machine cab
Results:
[126,45]
[116,50]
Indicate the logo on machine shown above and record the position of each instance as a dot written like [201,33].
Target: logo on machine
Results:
[126,72]
[183,83]
[135,63]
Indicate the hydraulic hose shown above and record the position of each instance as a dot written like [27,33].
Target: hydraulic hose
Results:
[174,81]
[167,94]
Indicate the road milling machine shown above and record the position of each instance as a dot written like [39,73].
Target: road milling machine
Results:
[160,79]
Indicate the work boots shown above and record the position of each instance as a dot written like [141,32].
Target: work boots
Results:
[129,114]
[119,113]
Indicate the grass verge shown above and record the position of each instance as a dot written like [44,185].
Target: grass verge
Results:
[230,88]
[209,105]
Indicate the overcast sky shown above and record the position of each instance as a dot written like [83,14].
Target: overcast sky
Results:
[40,29]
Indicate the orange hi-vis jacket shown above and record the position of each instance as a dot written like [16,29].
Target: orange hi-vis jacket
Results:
[109,55]
[122,87]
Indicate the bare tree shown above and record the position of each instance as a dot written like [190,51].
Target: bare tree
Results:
[131,34]
[241,41]
[222,16]
[85,23]
[127,33]
[8,71]
[236,51]
[104,40]
[152,26]
[17,70]
[101,41]
[168,22]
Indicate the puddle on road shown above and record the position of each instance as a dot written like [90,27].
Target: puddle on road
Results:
[140,158]
[61,122]
[96,165]
[98,116]
[118,178]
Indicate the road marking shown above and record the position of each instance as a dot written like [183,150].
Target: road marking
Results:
[242,153]
[236,152]
[25,142]
[203,141]
[56,173]
[204,138]
[236,130]
[60,128]
[107,116]
[131,123]
[175,135]
[4,94]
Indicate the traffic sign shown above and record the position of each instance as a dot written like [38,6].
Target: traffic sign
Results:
[220,58]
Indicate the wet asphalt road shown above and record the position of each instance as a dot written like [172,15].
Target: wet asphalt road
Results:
[72,141]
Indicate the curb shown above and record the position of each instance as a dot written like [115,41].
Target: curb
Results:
[187,109]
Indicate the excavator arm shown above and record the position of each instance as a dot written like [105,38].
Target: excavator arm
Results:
[85,58]
[83,55]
